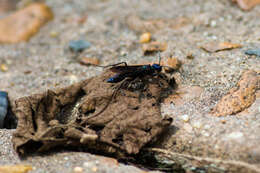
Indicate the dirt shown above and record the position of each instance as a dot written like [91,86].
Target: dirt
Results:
[113,28]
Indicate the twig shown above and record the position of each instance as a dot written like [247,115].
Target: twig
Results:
[232,163]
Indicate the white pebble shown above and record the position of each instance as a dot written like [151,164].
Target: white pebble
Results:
[207,126]
[204,133]
[73,79]
[213,23]
[185,118]
[213,37]
[86,164]
[197,124]
[78,169]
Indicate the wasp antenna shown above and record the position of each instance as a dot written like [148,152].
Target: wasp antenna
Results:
[98,65]
[159,58]
[111,65]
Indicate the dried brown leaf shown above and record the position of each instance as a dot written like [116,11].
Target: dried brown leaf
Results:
[89,114]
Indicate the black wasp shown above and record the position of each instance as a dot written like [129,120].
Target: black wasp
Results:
[133,71]
[126,74]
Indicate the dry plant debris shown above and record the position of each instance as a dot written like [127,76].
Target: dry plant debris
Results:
[240,97]
[173,62]
[154,46]
[75,116]
[247,4]
[15,169]
[89,61]
[23,24]
[215,46]
[196,164]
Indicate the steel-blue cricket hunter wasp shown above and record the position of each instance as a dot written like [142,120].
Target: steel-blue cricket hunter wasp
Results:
[131,72]
[126,76]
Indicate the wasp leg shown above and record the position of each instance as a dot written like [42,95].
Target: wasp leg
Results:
[110,99]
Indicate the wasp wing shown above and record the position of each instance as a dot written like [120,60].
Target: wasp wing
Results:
[125,69]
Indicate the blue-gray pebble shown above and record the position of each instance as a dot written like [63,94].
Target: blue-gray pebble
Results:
[79,45]
[3,107]
[253,52]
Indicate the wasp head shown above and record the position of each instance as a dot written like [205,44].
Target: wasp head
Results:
[157,67]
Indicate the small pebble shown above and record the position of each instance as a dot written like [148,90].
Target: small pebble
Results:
[204,133]
[207,126]
[73,79]
[185,118]
[82,19]
[94,169]
[145,37]
[197,124]
[86,164]
[190,56]
[253,52]
[213,23]
[78,169]
[9,62]
[223,121]
[54,34]
[123,53]
[3,68]
[79,45]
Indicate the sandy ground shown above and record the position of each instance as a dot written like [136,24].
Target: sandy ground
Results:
[106,28]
